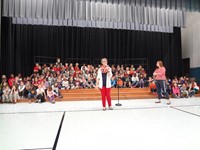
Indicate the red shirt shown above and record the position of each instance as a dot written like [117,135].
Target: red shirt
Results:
[126,74]
[36,69]
[54,69]
[76,68]
[11,81]
[152,86]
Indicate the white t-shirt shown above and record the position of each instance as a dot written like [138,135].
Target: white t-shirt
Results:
[40,91]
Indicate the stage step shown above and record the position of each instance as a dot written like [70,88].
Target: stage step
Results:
[94,94]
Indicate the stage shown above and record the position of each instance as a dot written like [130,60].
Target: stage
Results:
[82,125]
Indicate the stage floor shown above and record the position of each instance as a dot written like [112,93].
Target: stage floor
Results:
[137,124]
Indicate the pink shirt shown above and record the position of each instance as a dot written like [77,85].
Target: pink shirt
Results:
[160,73]
[176,90]
[50,93]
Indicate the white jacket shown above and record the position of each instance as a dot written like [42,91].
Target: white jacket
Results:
[108,78]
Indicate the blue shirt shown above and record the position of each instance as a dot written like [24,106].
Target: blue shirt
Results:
[104,75]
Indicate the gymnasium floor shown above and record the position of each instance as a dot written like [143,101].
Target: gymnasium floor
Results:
[136,125]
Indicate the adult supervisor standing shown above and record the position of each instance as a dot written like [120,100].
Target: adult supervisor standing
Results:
[160,78]
[103,82]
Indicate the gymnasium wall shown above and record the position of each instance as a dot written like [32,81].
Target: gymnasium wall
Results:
[191,43]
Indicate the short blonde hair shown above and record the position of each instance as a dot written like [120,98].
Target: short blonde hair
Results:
[104,59]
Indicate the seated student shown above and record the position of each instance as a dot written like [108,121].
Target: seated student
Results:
[77,82]
[54,69]
[14,94]
[11,80]
[113,70]
[176,91]
[196,88]
[51,95]
[150,80]
[82,81]
[135,80]
[56,90]
[89,83]
[65,83]
[184,91]
[58,64]
[31,92]
[113,82]
[51,79]
[139,69]
[175,80]
[191,91]
[71,83]
[66,66]
[120,83]
[132,68]
[40,94]
[36,68]
[45,83]
[59,81]
[6,94]
[84,68]
[168,87]
[86,74]
[127,81]
[17,81]
[152,86]
[76,68]
[21,89]
[71,67]
[35,82]
[141,81]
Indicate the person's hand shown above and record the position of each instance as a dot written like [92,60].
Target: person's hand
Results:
[96,87]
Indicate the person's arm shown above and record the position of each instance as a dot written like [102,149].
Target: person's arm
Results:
[179,91]
[173,90]
[160,71]
[109,73]
[48,94]
[37,93]
[44,94]
[155,73]
[22,88]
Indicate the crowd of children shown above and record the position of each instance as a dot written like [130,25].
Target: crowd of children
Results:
[177,87]
[47,80]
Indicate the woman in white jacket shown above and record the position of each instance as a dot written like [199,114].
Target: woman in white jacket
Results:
[103,82]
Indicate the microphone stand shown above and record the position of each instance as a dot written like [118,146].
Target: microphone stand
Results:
[118,104]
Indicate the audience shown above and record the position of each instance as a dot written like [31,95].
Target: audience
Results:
[175,91]
[47,80]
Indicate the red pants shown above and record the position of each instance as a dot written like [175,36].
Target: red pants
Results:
[105,92]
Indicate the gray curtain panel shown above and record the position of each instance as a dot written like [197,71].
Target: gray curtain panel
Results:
[145,15]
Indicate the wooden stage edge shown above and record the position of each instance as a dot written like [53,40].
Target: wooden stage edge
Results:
[94,95]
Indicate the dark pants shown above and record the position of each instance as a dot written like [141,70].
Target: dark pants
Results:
[161,87]
[41,97]
[22,93]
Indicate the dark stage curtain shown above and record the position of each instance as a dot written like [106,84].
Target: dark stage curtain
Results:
[20,43]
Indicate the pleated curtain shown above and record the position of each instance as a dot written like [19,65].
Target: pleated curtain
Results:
[145,15]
